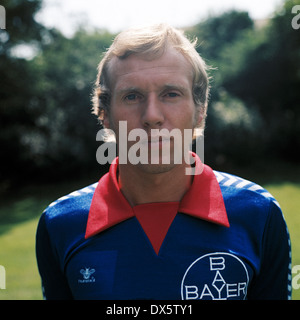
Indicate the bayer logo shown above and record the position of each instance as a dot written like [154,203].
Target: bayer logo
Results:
[215,276]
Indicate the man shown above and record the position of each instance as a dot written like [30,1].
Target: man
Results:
[149,230]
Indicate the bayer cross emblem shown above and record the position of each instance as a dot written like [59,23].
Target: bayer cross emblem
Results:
[215,276]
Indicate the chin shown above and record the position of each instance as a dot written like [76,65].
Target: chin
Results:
[156,168]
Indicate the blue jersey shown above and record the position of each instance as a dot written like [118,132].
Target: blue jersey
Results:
[226,239]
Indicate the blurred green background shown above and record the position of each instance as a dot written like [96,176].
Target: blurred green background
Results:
[48,135]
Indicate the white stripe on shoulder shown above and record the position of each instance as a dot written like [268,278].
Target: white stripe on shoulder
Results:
[227,179]
[85,190]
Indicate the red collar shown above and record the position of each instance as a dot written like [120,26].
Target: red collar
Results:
[109,207]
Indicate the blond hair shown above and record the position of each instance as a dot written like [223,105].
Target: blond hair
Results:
[151,42]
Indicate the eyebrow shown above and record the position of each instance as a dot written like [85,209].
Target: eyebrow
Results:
[129,89]
[175,87]
[165,87]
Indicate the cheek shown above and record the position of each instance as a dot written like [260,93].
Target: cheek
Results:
[122,121]
[185,117]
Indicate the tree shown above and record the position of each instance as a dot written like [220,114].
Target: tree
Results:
[267,78]
[214,33]
[64,140]
[229,123]
[17,108]
[47,129]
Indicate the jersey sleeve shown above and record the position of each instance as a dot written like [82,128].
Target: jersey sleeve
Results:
[54,283]
[274,279]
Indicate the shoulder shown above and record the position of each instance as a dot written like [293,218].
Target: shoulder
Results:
[69,209]
[233,186]
[247,202]
[252,206]
[258,224]
[62,225]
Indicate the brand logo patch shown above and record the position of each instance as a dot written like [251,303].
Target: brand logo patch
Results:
[87,275]
[215,276]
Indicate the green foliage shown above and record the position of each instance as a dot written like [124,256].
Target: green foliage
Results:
[215,33]
[230,124]
[20,23]
[265,75]
[259,66]
[65,131]
[17,110]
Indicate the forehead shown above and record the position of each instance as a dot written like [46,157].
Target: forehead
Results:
[171,67]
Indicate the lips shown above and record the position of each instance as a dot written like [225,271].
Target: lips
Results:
[157,139]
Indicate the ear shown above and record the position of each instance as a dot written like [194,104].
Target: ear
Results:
[199,116]
[105,119]
[199,120]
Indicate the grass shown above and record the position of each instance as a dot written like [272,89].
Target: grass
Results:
[18,257]
[288,195]
[19,217]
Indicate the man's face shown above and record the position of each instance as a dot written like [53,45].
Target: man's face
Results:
[152,94]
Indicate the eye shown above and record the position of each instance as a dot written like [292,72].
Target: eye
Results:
[131,97]
[172,94]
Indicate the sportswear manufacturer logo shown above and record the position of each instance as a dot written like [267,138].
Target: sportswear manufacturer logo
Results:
[215,276]
[87,275]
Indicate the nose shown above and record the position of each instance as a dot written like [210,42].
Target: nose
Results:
[153,116]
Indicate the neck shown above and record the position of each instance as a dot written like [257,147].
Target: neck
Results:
[140,187]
